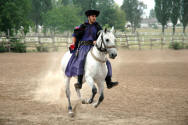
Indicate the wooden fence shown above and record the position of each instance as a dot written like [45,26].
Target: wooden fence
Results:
[150,40]
[127,40]
[33,41]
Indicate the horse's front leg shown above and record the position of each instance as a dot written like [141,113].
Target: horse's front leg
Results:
[90,81]
[67,86]
[101,97]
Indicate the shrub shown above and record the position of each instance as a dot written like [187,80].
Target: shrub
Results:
[3,49]
[42,48]
[176,45]
[17,46]
[186,47]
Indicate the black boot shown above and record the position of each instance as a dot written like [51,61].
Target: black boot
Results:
[109,82]
[78,85]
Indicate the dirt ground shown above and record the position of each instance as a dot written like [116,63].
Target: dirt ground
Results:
[153,90]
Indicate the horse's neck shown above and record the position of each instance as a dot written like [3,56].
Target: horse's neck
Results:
[98,54]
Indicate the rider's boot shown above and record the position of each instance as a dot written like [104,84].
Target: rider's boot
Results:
[109,82]
[78,85]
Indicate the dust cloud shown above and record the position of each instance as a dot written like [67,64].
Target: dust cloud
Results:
[51,86]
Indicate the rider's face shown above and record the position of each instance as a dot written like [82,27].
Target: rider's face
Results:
[92,18]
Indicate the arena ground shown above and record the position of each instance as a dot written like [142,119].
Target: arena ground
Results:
[153,90]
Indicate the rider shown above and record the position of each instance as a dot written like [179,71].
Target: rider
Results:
[84,37]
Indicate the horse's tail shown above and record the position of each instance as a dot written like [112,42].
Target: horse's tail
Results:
[65,60]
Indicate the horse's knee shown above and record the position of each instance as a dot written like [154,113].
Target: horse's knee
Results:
[70,108]
[94,90]
[67,93]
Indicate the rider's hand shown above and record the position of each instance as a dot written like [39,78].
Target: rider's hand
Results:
[72,46]
[94,42]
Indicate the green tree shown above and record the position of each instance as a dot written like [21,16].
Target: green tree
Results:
[119,20]
[134,10]
[62,18]
[39,7]
[162,11]
[85,4]
[175,12]
[14,14]
[184,14]
[152,13]
[106,11]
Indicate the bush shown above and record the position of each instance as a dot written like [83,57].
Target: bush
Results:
[3,49]
[186,47]
[17,46]
[176,45]
[42,48]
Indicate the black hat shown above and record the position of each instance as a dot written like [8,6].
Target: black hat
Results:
[92,12]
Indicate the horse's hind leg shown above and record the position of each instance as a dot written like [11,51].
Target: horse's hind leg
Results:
[67,86]
[101,97]
[90,81]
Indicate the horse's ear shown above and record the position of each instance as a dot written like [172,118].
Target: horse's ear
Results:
[105,30]
[112,30]
[98,33]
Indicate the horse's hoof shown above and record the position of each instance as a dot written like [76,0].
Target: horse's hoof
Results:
[71,114]
[95,105]
[90,101]
[84,101]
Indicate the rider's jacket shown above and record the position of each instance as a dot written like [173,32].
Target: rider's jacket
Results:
[86,32]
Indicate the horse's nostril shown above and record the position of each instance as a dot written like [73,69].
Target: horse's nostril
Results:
[114,55]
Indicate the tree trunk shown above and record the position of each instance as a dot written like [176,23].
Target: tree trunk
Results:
[183,29]
[163,29]
[36,28]
[132,28]
[174,29]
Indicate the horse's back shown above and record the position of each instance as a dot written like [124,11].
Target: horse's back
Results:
[65,60]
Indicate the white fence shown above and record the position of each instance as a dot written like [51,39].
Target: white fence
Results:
[127,40]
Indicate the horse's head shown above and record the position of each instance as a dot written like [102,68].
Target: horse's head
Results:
[106,43]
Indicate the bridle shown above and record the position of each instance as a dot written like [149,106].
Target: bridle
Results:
[101,49]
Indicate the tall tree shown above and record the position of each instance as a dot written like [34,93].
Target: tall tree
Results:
[162,11]
[62,18]
[106,11]
[14,15]
[175,12]
[66,2]
[85,4]
[184,14]
[134,10]
[152,13]
[39,7]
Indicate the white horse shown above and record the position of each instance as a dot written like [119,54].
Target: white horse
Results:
[95,67]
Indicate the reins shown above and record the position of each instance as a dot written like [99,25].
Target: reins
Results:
[99,60]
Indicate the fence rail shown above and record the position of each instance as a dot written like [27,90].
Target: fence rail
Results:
[141,40]
[150,40]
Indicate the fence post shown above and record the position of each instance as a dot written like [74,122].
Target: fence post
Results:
[127,41]
[138,40]
[183,38]
[151,44]
[162,38]
[9,44]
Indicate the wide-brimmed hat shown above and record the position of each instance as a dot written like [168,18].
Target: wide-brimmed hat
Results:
[92,12]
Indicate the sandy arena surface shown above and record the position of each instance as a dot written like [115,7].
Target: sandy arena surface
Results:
[153,90]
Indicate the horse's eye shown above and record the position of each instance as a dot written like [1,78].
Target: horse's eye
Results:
[107,40]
